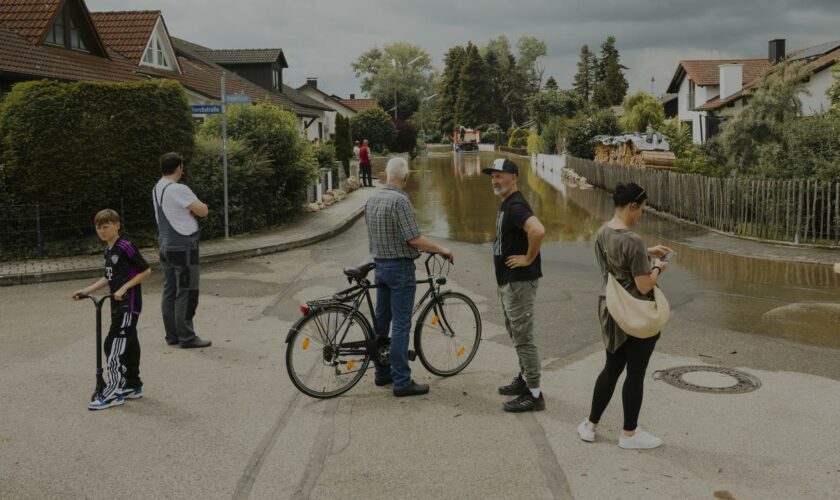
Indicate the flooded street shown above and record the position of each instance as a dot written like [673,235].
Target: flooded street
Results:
[795,301]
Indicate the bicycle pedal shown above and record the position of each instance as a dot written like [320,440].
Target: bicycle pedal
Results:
[412,355]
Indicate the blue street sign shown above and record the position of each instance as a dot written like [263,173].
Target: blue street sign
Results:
[207,109]
[237,99]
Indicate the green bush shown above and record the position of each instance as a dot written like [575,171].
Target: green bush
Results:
[274,134]
[518,138]
[325,155]
[376,126]
[582,129]
[640,111]
[705,159]
[82,146]
[249,196]
[552,137]
[406,139]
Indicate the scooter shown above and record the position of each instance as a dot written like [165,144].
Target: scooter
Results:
[100,381]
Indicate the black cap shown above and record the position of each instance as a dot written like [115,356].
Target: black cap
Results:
[502,165]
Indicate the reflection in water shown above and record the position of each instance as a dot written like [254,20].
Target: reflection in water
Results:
[452,199]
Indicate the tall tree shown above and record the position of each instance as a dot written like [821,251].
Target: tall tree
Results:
[530,50]
[495,85]
[473,94]
[400,69]
[585,76]
[551,84]
[448,89]
[611,84]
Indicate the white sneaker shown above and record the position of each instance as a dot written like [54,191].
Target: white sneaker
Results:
[641,440]
[585,432]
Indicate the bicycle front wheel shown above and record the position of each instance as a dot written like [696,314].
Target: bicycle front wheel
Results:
[447,334]
[327,351]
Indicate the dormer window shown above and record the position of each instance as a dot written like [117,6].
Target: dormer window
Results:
[64,32]
[155,55]
[158,52]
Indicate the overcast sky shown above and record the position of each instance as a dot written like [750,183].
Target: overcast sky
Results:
[322,37]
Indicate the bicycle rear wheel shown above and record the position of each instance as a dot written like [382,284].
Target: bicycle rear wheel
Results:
[327,351]
[447,334]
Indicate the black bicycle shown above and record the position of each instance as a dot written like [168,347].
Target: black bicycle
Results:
[330,348]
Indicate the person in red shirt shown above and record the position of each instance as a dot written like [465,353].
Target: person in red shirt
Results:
[364,165]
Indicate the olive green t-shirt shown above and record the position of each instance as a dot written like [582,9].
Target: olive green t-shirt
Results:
[626,258]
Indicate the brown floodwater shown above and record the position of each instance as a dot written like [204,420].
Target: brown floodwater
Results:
[796,301]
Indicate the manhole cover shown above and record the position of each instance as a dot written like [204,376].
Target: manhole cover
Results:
[711,375]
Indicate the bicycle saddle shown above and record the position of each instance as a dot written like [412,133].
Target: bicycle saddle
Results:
[359,273]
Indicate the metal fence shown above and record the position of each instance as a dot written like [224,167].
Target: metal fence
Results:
[43,230]
[799,211]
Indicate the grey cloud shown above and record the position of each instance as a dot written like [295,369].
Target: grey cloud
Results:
[322,37]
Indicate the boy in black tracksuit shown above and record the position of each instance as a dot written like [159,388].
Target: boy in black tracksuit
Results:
[125,268]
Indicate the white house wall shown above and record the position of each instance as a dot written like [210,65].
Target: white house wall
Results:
[701,95]
[817,101]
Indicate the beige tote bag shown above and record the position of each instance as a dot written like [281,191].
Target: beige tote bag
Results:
[638,318]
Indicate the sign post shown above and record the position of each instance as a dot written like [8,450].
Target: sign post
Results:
[225,156]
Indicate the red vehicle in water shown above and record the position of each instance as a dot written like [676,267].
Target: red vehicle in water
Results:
[466,139]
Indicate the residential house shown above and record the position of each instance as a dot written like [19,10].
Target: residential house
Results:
[311,90]
[264,67]
[697,82]
[710,92]
[358,105]
[62,40]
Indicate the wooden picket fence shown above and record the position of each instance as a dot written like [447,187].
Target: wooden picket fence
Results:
[798,211]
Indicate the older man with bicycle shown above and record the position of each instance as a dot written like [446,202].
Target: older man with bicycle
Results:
[395,241]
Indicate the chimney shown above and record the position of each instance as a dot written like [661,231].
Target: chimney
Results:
[731,79]
[312,82]
[777,50]
[352,96]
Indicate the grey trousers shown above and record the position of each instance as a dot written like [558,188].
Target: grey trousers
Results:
[180,293]
[518,305]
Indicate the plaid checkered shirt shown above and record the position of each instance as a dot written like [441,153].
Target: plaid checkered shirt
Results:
[391,223]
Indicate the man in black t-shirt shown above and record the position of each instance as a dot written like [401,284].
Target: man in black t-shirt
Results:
[125,268]
[516,254]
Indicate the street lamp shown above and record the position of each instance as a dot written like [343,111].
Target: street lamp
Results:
[422,122]
[409,63]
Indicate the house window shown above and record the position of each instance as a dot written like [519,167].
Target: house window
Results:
[691,91]
[155,55]
[275,80]
[65,33]
[56,34]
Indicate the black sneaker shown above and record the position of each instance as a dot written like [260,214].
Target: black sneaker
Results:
[516,388]
[383,380]
[526,402]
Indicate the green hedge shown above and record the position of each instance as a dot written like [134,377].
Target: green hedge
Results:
[83,146]
[85,143]
[376,126]
[275,135]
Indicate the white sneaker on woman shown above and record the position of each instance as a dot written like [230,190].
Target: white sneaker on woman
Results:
[641,440]
[585,432]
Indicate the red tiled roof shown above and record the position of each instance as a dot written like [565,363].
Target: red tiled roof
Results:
[18,55]
[708,72]
[359,105]
[815,65]
[126,32]
[204,77]
[28,18]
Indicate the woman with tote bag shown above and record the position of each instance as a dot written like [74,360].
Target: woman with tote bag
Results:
[630,289]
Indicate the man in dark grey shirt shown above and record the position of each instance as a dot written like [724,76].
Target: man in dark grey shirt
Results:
[395,241]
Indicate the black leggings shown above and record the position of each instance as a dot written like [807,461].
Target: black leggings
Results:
[634,354]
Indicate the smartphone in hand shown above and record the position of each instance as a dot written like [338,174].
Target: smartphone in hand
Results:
[668,257]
